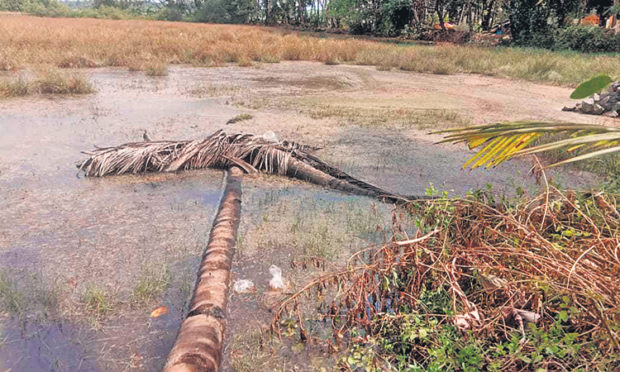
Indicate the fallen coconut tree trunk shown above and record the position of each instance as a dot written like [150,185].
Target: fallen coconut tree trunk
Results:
[199,344]
[299,169]
[251,153]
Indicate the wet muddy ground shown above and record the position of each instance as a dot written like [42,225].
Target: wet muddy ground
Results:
[84,261]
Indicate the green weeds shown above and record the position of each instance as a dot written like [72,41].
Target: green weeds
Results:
[151,284]
[477,290]
[27,297]
[99,302]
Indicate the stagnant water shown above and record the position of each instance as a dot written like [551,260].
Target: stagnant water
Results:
[83,262]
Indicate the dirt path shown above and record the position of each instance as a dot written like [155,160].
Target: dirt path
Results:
[87,260]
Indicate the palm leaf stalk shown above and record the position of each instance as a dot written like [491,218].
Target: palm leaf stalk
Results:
[251,153]
[502,141]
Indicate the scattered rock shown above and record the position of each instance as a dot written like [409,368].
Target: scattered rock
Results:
[598,109]
[606,103]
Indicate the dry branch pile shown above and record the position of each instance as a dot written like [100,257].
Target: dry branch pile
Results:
[533,285]
[220,150]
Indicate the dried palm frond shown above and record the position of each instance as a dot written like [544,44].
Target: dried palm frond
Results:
[221,151]
[502,141]
[497,268]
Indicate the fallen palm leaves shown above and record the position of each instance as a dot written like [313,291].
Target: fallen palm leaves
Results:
[501,141]
[251,153]
[533,284]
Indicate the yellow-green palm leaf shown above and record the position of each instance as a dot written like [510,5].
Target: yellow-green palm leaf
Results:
[500,142]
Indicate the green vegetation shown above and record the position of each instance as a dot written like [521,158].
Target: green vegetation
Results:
[593,144]
[591,86]
[500,142]
[11,299]
[589,39]
[480,288]
[535,23]
[312,227]
[97,301]
[152,282]
[53,8]
[27,297]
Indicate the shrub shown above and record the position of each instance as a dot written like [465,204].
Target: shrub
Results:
[156,69]
[7,63]
[77,62]
[169,14]
[587,39]
[17,88]
[54,82]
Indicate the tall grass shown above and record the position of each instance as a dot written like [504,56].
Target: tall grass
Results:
[31,41]
[47,82]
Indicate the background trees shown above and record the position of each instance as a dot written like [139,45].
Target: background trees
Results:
[537,23]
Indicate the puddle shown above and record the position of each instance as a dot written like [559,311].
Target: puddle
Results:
[292,226]
[110,235]
[83,262]
[55,347]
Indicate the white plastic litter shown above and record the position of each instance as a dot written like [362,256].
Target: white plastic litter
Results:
[276,282]
[467,321]
[271,136]
[243,286]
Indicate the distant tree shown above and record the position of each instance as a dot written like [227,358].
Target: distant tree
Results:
[25,5]
[225,11]
[533,22]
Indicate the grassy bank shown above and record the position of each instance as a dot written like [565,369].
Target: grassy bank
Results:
[27,41]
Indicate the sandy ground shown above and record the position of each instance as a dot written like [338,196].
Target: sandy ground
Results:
[61,236]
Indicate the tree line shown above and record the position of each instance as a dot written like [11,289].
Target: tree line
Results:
[540,23]
[397,17]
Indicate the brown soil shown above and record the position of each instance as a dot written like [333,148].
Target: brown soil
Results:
[61,235]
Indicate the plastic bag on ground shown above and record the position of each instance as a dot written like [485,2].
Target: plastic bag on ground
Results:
[243,286]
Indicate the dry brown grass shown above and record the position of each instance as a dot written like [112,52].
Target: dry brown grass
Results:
[48,81]
[31,41]
[486,269]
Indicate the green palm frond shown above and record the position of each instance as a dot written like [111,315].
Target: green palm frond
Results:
[500,142]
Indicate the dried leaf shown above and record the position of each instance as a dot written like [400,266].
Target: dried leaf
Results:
[162,310]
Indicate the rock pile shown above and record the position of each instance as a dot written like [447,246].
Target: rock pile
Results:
[606,103]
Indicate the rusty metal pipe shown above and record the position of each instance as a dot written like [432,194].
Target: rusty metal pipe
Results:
[198,346]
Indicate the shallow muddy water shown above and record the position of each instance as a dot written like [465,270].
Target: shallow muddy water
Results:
[84,261]
[303,230]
